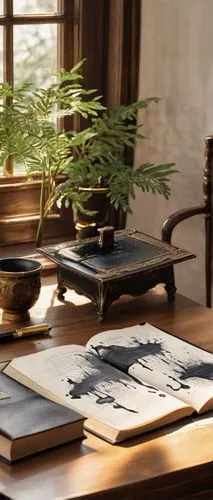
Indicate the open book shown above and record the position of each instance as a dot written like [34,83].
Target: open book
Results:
[125,381]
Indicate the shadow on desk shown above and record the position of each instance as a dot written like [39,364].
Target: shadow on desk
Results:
[87,464]
[82,468]
[76,323]
[188,424]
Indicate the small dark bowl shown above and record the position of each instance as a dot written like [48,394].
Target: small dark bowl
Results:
[20,285]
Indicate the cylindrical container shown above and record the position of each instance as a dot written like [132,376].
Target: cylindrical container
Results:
[87,225]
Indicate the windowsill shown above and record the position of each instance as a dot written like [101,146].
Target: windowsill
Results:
[23,179]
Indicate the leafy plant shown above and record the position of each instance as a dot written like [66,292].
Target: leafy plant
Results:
[99,160]
[12,140]
[29,134]
[92,157]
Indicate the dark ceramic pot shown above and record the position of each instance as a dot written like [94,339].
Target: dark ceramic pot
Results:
[88,225]
[20,284]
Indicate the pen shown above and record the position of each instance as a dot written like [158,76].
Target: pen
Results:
[26,331]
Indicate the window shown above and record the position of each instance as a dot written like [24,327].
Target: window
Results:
[41,35]
[34,35]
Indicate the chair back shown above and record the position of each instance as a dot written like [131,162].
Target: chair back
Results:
[206,208]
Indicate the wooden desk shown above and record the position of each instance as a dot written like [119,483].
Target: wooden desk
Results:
[176,462]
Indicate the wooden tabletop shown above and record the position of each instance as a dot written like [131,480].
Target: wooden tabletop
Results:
[174,462]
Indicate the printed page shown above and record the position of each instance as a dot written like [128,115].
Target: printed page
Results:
[149,354]
[79,380]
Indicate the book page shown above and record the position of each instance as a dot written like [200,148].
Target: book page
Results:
[3,364]
[147,353]
[78,379]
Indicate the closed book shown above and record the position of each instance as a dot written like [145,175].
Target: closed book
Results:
[30,423]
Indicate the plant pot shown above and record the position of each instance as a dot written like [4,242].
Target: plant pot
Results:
[20,285]
[87,225]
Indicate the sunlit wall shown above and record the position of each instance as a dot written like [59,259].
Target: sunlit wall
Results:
[176,64]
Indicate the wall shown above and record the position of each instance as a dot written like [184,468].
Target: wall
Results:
[176,64]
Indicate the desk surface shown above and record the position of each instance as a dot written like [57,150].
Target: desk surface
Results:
[175,462]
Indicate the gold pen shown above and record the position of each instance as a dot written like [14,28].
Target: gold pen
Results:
[26,331]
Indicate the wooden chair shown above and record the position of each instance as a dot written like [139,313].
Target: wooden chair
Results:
[205,208]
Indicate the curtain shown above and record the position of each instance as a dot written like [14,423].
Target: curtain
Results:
[108,36]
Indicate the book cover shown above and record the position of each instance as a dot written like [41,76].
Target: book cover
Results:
[24,414]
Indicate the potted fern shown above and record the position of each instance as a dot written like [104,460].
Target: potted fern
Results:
[98,167]
[90,161]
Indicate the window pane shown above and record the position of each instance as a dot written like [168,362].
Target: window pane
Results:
[34,6]
[35,54]
[1,7]
[35,58]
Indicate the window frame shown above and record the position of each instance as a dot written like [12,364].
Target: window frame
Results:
[64,19]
